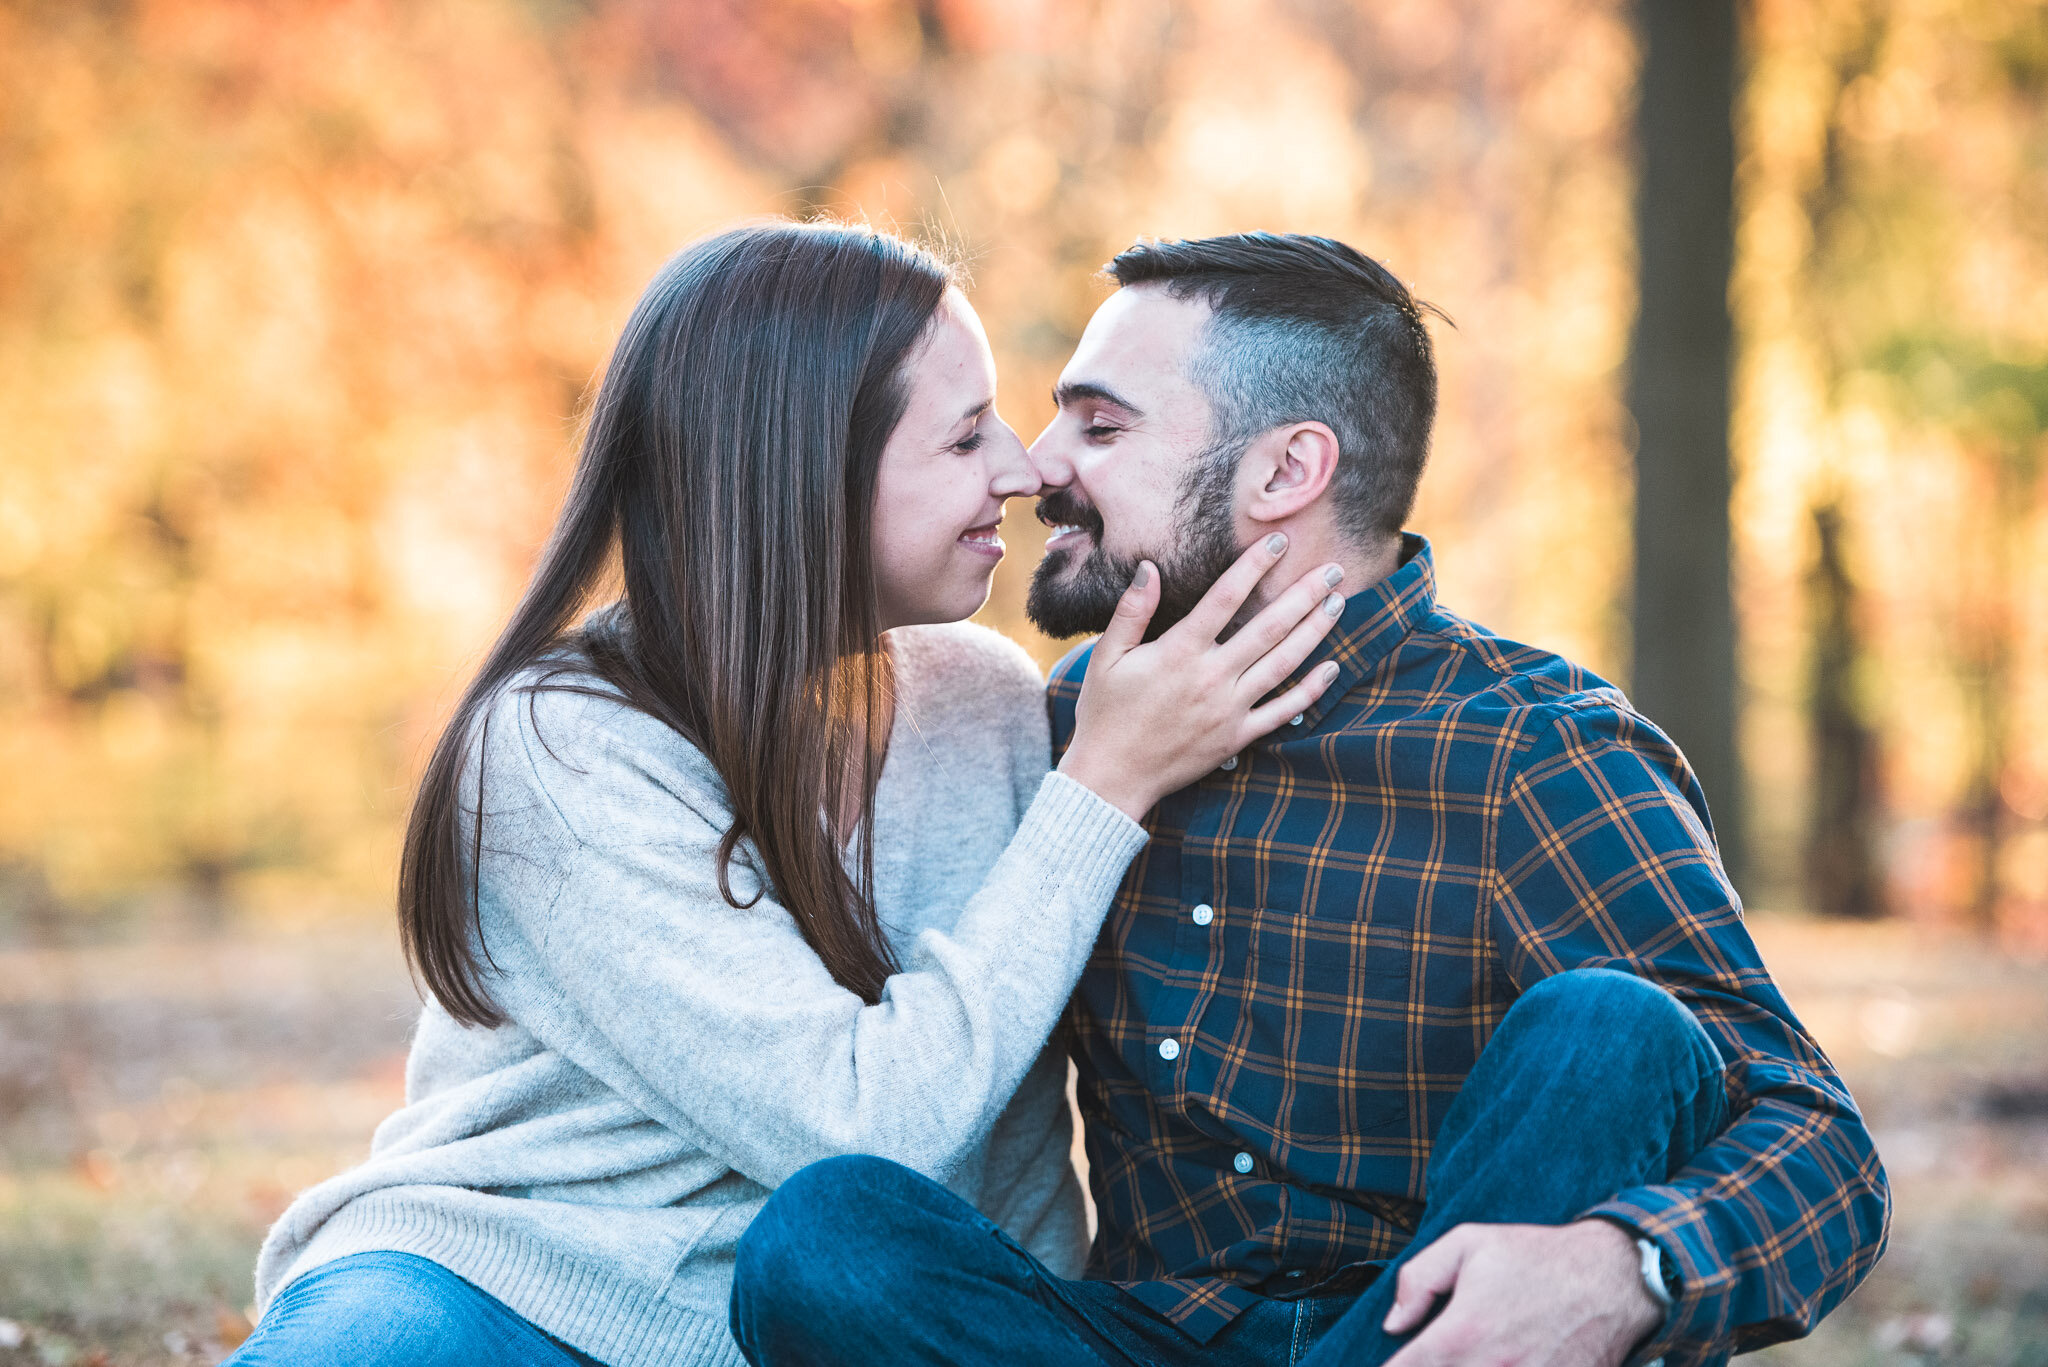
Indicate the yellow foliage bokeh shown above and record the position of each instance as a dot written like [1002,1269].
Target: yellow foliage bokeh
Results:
[298,305]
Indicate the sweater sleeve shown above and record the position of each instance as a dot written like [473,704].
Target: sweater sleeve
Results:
[600,907]
[1029,1186]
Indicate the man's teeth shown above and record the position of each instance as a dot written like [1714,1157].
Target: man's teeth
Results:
[1066,529]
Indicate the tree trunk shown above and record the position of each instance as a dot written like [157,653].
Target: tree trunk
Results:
[1684,617]
[1842,873]
[1987,655]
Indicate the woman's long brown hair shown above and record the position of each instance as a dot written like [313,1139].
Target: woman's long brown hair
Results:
[728,470]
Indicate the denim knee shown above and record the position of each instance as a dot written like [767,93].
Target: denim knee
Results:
[1591,1050]
[792,1260]
[397,1290]
[370,1310]
[1637,1022]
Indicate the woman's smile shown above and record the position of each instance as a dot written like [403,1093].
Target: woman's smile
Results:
[984,540]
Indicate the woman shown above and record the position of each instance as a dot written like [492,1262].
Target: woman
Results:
[727,879]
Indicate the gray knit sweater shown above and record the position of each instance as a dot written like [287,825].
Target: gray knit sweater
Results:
[670,1059]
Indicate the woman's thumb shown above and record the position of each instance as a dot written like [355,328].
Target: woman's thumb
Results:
[1133,613]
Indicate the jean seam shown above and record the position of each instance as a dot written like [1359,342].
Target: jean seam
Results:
[1304,1325]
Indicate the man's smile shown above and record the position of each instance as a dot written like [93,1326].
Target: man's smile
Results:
[1072,521]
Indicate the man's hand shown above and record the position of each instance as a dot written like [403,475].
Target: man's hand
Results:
[1525,1296]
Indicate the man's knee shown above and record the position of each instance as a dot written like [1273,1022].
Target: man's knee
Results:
[831,1259]
[821,1237]
[1595,1050]
[1634,1022]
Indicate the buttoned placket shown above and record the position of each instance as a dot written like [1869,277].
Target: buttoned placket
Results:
[1170,951]
[1203,878]
[1180,1004]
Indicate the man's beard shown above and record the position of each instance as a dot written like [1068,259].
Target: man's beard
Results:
[1063,603]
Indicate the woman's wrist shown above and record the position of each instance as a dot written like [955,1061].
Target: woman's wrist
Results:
[1115,788]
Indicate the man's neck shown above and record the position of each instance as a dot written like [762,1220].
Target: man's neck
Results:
[1365,564]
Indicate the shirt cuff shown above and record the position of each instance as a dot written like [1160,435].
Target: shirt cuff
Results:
[1673,1219]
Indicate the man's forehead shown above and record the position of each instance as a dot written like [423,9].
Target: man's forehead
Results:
[1141,331]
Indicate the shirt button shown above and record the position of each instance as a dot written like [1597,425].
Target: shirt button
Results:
[1204,914]
[1230,763]
[1243,1162]
[1297,719]
[1169,1049]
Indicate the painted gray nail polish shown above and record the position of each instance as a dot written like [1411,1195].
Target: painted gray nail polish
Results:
[1334,605]
[1276,543]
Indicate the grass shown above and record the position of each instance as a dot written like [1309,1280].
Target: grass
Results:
[160,1101]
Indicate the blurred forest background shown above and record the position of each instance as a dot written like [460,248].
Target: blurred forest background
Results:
[299,304]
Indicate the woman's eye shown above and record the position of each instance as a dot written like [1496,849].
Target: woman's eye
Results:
[973,443]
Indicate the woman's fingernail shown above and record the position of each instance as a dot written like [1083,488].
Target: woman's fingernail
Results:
[1276,543]
[1328,670]
[1334,605]
[1143,576]
[1334,575]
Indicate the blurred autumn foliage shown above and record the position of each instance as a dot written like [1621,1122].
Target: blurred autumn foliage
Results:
[298,304]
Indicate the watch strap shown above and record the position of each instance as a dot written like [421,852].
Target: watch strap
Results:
[1656,1280]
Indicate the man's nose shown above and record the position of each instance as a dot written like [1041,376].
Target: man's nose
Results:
[1055,469]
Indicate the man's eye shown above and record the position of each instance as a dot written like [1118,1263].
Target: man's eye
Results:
[1098,432]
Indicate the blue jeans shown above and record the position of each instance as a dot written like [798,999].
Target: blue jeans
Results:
[395,1310]
[1596,1081]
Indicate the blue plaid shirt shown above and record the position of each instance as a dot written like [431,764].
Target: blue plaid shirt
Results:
[1302,967]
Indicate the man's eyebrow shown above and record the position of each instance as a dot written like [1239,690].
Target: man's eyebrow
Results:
[1064,394]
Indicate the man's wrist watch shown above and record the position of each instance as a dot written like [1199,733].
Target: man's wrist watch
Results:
[1660,1283]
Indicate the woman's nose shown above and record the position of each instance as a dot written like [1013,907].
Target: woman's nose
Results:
[1011,474]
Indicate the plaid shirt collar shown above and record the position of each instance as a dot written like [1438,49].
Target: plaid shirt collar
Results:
[1375,621]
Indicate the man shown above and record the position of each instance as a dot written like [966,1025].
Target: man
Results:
[1427,1031]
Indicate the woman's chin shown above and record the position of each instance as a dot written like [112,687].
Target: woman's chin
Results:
[939,608]
[965,604]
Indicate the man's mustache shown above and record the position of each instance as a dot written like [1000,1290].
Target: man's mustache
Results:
[1061,508]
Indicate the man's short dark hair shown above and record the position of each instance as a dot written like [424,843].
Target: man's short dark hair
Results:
[1308,329]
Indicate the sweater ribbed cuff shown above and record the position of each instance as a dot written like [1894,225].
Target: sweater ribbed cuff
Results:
[1078,831]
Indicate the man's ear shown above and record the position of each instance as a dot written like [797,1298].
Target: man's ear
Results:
[1286,470]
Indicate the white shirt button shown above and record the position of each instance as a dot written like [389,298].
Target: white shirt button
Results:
[1204,914]
[1169,1049]
[1297,719]
[1230,763]
[1243,1162]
